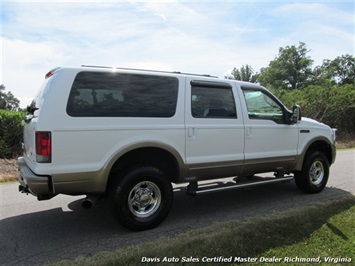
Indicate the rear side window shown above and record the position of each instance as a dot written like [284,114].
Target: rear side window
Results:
[100,94]
[212,101]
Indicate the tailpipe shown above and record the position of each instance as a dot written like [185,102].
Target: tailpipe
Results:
[23,189]
[89,201]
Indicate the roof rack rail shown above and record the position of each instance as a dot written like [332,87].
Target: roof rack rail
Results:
[157,71]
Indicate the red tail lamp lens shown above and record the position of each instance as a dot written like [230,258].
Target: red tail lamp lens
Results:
[43,147]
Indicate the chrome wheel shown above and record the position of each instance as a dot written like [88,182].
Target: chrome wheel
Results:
[316,173]
[144,199]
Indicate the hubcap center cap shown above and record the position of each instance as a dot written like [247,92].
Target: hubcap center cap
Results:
[145,199]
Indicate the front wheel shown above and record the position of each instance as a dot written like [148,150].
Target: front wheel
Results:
[142,198]
[315,172]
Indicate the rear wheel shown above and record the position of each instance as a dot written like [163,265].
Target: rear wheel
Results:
[142,198]
[314,175]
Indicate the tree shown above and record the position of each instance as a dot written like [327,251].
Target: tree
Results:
[7,100]
[291,69]
[245,73]
[339,71]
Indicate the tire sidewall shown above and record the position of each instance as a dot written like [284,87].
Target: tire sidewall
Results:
[303,179]
[128,181]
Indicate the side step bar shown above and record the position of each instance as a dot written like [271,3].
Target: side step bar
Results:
[193,190]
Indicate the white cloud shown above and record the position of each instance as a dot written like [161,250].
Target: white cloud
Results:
[25,64]
[326,28]
[203,37]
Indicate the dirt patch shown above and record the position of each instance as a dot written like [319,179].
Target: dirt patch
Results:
[348,144]
[8,170]
[345,141]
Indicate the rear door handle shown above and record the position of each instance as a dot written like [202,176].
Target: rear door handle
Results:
[191,133]
[249,132]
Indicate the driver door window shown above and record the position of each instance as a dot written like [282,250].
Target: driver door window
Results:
[262,106]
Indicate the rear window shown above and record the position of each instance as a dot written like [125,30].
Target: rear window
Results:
[100,94]
[35,106]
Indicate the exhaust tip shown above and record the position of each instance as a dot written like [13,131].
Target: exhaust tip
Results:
[87,204]
[89,201]
[23,189]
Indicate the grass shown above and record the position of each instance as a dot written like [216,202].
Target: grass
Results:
[325,231]
[332,242]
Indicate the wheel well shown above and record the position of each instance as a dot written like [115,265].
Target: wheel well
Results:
[157,157]
[323,147]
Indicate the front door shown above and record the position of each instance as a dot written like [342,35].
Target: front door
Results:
[270,142]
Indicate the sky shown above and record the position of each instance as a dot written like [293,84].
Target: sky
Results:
[204,37]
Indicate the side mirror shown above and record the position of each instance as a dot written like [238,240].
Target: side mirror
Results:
[296,114]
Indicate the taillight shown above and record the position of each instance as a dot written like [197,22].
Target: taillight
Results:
[43,147]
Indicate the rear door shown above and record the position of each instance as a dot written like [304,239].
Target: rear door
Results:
[214,129]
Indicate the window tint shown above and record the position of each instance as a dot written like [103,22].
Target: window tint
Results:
[212,102]
[122,95]
[262,106]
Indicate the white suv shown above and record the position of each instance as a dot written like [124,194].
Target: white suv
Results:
[129,134]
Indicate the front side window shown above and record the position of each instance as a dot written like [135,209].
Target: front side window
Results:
[101,94]
[212,102]
[261,106]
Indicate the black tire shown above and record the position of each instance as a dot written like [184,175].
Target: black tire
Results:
[142,198]
[315,172]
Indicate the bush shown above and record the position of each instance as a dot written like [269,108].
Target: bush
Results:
[333,106]
[11,133]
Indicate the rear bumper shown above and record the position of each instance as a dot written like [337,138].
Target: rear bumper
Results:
[37,185]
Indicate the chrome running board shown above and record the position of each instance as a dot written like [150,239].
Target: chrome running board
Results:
[193,189]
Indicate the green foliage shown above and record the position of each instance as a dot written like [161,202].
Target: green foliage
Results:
[245,73]
[11,133]
[340,71]
[334,105]
[7,100]
[291,69]
[326,93]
